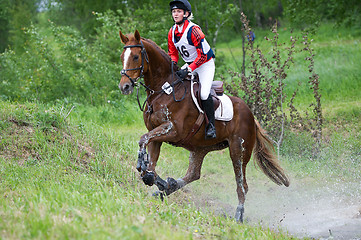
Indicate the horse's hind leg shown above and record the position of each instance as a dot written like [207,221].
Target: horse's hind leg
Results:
[195,165]
[240,157]
[194,172]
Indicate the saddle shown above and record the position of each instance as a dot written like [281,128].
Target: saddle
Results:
[216,90]
[216,93]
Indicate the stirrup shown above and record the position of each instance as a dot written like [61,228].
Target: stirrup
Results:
[210,132]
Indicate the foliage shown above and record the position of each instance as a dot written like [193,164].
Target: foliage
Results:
[212,15]
[57,62]
[60,64]
[79,13]
[151,24]
[4,24]
[311,123]
[264,87]
[16,15]
[309,14]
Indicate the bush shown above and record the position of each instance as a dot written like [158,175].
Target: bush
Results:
[60,64]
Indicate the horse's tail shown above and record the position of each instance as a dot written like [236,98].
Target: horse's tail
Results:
[265,158]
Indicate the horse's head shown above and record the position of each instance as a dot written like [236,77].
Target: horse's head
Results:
[135,60]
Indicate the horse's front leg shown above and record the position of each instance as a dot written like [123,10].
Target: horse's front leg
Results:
[153,140]
[148,162]
[162,133]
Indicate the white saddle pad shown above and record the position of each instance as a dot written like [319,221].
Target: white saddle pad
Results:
[225,110]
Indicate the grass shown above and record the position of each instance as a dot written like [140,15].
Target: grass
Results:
[60,180]
[75,178]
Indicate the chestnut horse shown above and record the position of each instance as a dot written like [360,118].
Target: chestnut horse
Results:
[171,118]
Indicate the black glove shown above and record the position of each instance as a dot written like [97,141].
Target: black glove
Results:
[183,73]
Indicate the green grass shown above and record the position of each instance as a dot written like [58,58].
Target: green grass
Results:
[62,180]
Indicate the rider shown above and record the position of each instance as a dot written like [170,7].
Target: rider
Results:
[187,39]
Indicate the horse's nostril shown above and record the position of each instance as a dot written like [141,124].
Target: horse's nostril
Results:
[126,87]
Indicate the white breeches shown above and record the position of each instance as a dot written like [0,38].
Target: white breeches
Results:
[206,76]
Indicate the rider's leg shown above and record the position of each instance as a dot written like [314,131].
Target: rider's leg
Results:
[206,75]
[209,109]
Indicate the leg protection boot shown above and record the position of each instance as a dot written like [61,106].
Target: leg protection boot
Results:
[208,107]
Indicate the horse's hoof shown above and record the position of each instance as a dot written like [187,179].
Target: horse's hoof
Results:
[159,194]
[149,178]
[172,186]
[239,213]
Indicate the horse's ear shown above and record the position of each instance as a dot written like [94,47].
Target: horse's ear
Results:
[123,37]
[137,35]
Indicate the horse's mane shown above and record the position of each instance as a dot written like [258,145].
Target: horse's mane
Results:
[162,52]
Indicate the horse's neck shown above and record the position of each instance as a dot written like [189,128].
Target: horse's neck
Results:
[155,81]
[159,70]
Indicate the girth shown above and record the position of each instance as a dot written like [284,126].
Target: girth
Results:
[216,90]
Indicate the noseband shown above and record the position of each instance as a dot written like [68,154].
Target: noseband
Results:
[141,68]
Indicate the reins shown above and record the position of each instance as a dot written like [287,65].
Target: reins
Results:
[174,83]
[135,82]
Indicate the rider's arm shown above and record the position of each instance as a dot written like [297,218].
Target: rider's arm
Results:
[197,36]
[172,50]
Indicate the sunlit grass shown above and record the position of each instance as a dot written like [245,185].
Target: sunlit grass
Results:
[79,182]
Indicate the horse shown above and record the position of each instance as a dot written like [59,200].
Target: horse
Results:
[172,117]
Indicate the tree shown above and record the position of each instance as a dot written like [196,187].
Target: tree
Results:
[15,16]
[80,13]
[213,17]
[4,23]
[309,14]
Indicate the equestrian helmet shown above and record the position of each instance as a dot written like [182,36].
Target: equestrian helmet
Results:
[181,4]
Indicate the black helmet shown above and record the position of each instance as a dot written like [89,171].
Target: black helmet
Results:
[181,4]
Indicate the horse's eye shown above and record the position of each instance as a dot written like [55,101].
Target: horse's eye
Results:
[135,58]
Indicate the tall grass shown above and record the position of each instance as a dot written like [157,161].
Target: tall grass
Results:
[62,180]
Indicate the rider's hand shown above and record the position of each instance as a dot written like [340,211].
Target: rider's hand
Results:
[183,73]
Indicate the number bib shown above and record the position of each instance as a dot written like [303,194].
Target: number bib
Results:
[185,46]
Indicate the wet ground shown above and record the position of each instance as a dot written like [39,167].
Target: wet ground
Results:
[316,211]
[308,208]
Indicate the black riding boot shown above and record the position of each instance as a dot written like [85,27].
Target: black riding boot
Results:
[208,107]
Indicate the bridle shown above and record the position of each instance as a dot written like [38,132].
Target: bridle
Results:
[123,72]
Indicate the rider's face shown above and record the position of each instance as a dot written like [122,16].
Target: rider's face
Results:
[178,15]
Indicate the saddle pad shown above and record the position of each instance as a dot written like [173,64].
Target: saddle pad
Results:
[225,110]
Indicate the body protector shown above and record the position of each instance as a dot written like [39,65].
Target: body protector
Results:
[186,48]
